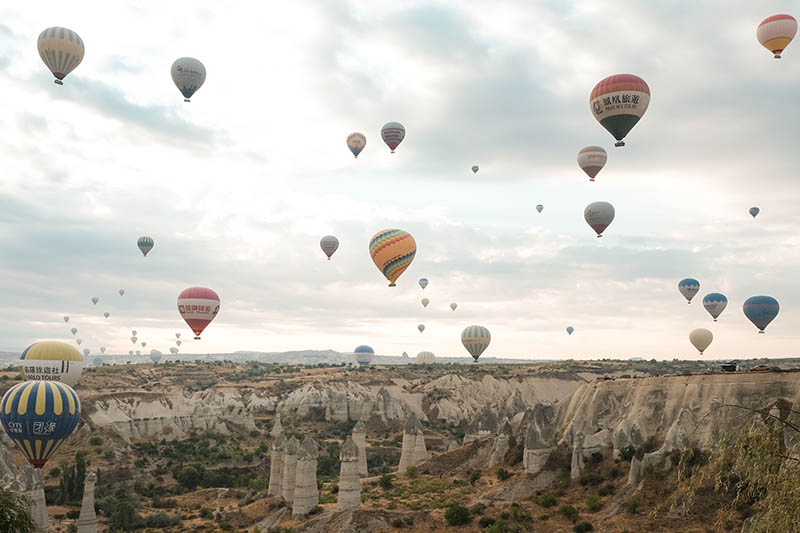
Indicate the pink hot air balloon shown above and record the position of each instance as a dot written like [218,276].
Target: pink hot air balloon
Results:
[198,306]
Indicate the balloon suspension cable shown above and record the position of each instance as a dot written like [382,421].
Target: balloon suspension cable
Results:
[619,143]
[58,82]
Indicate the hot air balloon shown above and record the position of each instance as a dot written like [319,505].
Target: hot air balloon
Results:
[453,306]
[421,327]
[155,356]
[474,171]
[134,339]
[74,330]
[392,251]
[754,211]
[178,342]
[61,50]
[173,350]
[329,244]
[393,134]
[138,353]
[761,310]
[177,335]
[198,306]
[144,344]
[715,303]
[423,282]
[776,32]
[39,416]
[122,292]
[86,351]
[688,287]
[188,74]
[134,333]
[618,102]
[66,319]
[130,352]
[106,314]
[52,361]
[425,302]
[599,216]
[426,358]
[592,159]
[363,355]
[95,299]
[356,142]
[79,341]
[103,349]
[475,339]
[700,339]
[145,244]
[539,208]
[570,329]
[405,355]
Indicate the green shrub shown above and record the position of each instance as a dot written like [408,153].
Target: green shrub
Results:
[486,521]
[97,440]
[386,482]
[606,489]
[73,513]
[627,453]
[546,500]
[632,506]
[474,476]
[593,503]
[411,471]
[569,511]
[591,479]
[583,527]
[503,474]
[477,509]
[596,458]
[457,515]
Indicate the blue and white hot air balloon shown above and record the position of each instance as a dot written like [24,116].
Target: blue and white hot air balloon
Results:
[754,211]
[145,244]
[715,303]
[476,339]
[761,310]
[689,287]
[188,74]
[364,355]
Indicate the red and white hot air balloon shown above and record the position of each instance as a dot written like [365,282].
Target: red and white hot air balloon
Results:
[198,306]
[776,32]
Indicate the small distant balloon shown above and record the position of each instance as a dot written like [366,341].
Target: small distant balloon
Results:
[476,339]
[392,251]
[177,335]
[701,338]
[66,319]
[618,102]
[155,356]
[356,143]
[688,287]
[134,339]
[188,74]
[74,330]
[130,352]
[173,350]
[425,358]
[599,216]
[102,349]
[475,169]
[106,314]
[592,159]
[570,329]
[134,333]
[754,211]
[421,328]
[86,351]
[138,353]
[425,302]
[776,32]
[144,344]
[364,355]
[178,342]
[95,299]
[715,303]
[122,292]
[761,310]
[145,244]
[62,50]
[329,245]
[79,341]
[540,208]
[423,282]
[393,134]
[453,306]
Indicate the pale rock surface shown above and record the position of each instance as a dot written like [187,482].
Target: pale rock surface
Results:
[501,445]
[540,438]
[277,427]
[306,494]
[413,451]
[87,521]
[276,466]
[360,438]
[35,479]
[349,497]
[289,470]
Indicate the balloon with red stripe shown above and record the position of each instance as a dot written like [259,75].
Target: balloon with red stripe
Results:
[618,102]
[198,306]
[776,32]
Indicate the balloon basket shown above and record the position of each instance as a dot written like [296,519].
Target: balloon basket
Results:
[58,82]
[197,338]
[392,151]
[392,285]
[186,100]
[619,143]
[599,236]
[591,179]
[761,331]
[777,56]
[329,259]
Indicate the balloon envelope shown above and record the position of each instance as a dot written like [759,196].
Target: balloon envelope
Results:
[393,134]
[715,303]
[423,282]
[592,159]
[79,341]
[761,310]
[363,354]
[329,244]
[754,211]
[86,351]
[144,344]
[476,339]
[188,74]
[122,292]
[106,314]
[453,306]
[178,342]
[356,142]
[95,299]
[421,327]
[599,216]
[198,306]
[700,339]
[570,329]
[74,330]
[776,32]
[539,208]
[688,287]
[39,416]
[66,319]
[426,358]
[618,102]
[62,50]
[145,244]
[134,333]
[177,335]
[155,356]
[474,171]
[425,302]
[392,251]
[52,361]
[102,349]
[134,339]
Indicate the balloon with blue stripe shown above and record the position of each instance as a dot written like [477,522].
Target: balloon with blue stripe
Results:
[761,310]
[476,339]
[364,355]
[39,416]
[715,303]
[689,287]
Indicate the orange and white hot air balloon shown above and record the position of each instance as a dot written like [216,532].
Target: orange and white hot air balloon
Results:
[198,306]
[592,159]
[776,32]
[618,102]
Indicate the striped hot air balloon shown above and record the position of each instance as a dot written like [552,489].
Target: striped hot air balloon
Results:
[426,358]
[392,251]
[618,102]
[356,143]
[329,244]
[364,355]
[145,244]
[599,216]
[476,339]
[62,50]
[393,134]
[188,74]
[39,416]
[776,32]
[52,361]
[198,306]
[715,303]
[592,159]
[761,310]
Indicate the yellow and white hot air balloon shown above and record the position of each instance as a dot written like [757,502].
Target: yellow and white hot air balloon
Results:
[776,32]
[62,50]
[52,361]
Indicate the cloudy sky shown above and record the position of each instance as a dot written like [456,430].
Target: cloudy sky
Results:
[238,186]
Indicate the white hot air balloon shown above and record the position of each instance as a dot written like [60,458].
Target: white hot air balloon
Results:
[329,245]
[453,306]
[425,302]
[356,142]
[599,216]
[155,356]
[421,328]
[393,134]
[701,338]
[776,32]
[592,159]
[188,74]
[144,344]
[426,358]
[423,282]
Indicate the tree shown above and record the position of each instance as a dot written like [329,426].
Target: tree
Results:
[15,512]
[189,477]
[457,515]
[125,517]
